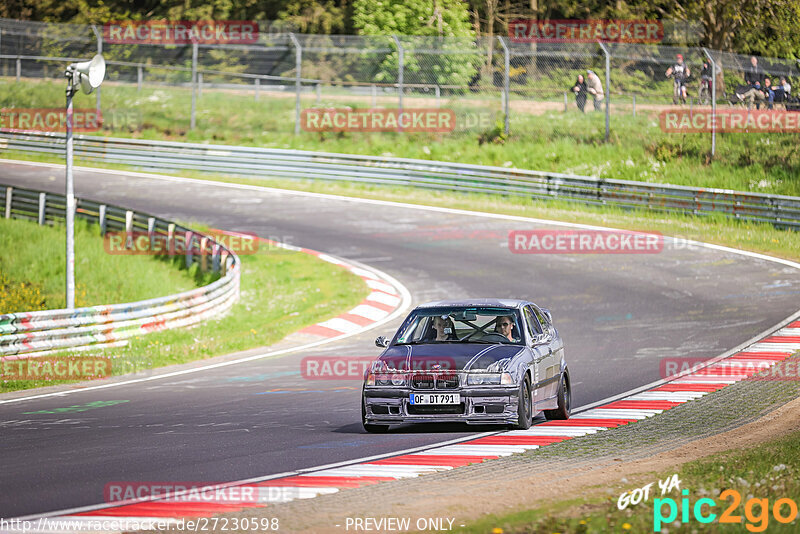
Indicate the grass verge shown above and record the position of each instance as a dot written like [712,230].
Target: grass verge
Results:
[281,292]
[541,138]
[33,266]
[761,476]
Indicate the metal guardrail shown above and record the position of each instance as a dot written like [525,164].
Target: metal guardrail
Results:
[28,334]
[782,211]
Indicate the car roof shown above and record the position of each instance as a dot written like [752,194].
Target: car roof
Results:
[488,302]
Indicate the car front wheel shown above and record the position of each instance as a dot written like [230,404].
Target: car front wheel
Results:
[524,417]
[564,400]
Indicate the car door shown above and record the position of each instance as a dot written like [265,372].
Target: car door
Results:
[551,362]
[539,353]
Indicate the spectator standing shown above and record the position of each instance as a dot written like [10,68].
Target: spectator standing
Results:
[580,92]
[595,88]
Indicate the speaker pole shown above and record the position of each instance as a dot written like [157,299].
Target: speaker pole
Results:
[70,194]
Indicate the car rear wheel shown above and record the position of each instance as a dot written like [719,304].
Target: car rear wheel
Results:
[370,427]
[524,417]
[564,400]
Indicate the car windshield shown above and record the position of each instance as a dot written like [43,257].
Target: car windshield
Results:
[462,325]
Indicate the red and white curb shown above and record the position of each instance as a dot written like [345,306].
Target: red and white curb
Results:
[386,297]
[309,483]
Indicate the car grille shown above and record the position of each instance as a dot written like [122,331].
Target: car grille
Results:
[431,381]
[431,409]
[422,381]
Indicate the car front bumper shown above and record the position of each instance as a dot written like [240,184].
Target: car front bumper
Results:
[480,405]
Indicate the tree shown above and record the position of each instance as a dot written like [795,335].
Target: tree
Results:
[440,25]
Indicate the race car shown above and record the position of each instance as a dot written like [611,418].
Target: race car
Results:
[481,361]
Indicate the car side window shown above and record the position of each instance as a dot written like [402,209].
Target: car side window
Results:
[543,320]
[532,324]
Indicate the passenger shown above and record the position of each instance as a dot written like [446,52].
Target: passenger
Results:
[504,325]
[445,331]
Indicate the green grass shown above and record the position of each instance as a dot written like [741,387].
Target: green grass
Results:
[36,256]
[281,292]
[768,471]
[553,141]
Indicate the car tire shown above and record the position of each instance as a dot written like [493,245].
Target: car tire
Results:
[370,427]
[524,406]
[564,400]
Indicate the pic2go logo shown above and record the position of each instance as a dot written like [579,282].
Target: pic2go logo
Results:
[756,511]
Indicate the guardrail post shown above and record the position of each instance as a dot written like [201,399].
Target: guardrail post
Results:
[42,205]
[188,237]
[102,216]
[298,72]
[151,232]
[9,192]
[19,67]
[400,69]
[565,101]
[215,257]
[128,229]
[438,96]
[199,85]
[139,77]
[319,93]
[203,255]
[257,88]
[193,120]
[506,83]
[171,239]
[374,95]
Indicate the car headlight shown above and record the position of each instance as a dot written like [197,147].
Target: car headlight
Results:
[370,380]
[489,379]
[389,379]
[480,379]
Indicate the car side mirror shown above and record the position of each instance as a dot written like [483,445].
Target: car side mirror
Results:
[548,315]
[382,342]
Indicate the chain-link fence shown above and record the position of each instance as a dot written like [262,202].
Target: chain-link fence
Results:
[522,89]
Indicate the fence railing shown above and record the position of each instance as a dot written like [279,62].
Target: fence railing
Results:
[499,74]
[29,334]
[781,211]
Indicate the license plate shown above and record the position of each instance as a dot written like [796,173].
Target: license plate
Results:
[434,398]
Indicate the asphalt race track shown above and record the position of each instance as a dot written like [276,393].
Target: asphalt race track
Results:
[618,314]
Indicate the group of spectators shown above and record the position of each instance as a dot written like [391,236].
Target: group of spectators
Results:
[591,85]
[758,88]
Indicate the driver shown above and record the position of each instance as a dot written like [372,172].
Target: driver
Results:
[504,325]
[444,328]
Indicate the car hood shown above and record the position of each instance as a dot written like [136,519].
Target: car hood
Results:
[453,356]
